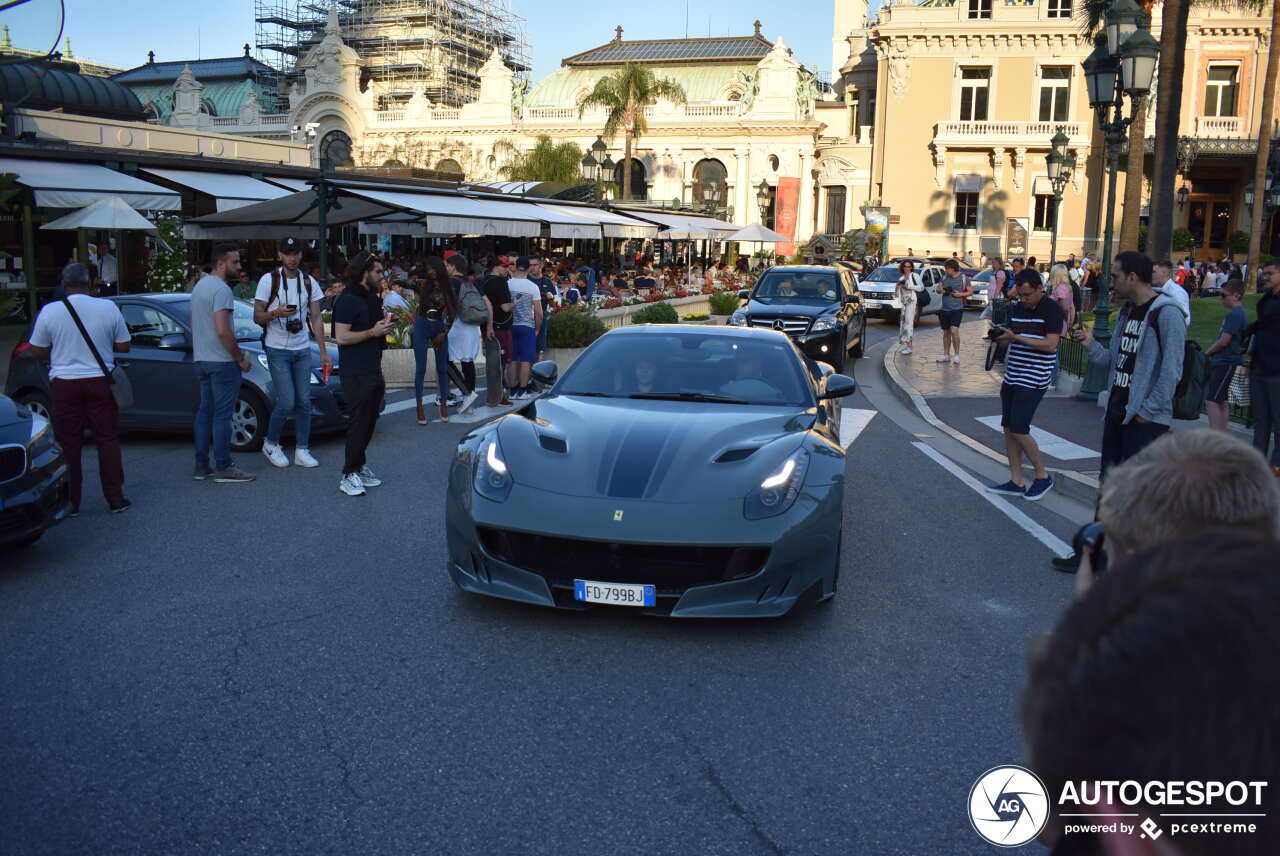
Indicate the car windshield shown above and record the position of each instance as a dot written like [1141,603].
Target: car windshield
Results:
[790,286]
[885,273]
[697,367]
[247,330]
[983,276]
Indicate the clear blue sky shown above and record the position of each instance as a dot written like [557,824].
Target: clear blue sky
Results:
[120,32]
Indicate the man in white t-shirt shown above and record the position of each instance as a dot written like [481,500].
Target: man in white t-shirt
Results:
[395,297]
[1163,276]
[81,390]
[286,303]
[526,318]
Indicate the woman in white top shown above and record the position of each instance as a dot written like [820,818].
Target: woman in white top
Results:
[909,285]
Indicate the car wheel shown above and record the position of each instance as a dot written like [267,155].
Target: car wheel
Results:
[248,422]
[38,403]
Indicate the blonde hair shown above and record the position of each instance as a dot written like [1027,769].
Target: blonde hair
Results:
[1188,481]
[1058,276]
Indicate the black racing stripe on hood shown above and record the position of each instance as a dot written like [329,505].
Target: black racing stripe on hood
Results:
[637,459]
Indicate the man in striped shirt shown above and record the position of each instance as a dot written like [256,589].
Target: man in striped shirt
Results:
[1035,325]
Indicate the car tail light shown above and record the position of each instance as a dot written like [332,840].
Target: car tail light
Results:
[19,349]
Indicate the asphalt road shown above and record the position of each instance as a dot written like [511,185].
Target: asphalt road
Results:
[276,668]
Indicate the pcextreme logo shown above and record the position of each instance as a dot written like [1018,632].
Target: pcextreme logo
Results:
[1008,806]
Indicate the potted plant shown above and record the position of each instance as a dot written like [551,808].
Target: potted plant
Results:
[569,331]
[723,305]
[658,312]
[398,363]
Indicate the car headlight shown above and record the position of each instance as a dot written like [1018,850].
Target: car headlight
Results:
[739,318]
[824,323]
[493,477]
[41,435]
[778,492]
[262,361]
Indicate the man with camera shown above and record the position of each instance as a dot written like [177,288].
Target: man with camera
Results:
[286,302]
[1035,325]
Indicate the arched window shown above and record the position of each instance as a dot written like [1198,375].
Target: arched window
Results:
[394,162]
[335,148]
[449,165]
[639,187]
[735,95]
[710,179]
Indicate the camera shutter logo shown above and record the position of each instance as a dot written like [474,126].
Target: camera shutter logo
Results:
[1008,806]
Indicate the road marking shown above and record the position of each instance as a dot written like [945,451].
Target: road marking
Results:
[478,413]
[852,423]
[1055,544]
[1050,444]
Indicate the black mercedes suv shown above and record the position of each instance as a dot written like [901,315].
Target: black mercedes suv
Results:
[818,307]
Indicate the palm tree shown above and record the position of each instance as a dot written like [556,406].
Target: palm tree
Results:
[1264,140]
[624,95]
[546,161]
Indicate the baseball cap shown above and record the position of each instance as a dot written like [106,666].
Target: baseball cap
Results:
[522,263]
[290,245]
[504,260]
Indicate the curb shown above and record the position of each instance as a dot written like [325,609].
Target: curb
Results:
[1072,484]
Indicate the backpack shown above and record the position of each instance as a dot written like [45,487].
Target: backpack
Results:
[304,281]
[471,308]
[922,296]
[1189,395]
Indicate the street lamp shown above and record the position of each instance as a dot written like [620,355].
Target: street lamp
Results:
[1061,165]
[590,169]
[1123,63]
[711,195]
[1183,193]
[762,200]
[607,168]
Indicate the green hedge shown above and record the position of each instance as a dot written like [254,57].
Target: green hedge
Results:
[725,302]
[656,313]
[573,328]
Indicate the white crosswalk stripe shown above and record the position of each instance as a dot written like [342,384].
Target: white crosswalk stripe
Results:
[1050,444]
[852,423]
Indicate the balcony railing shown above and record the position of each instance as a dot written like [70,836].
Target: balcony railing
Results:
[1221,127]
[1009,133]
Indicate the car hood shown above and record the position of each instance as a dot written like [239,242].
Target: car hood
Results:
[15,421]
[811,308]
[660,451]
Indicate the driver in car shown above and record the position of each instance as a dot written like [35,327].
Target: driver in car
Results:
[786,289]
[750,384]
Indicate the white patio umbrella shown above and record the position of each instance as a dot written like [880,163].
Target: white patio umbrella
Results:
[106,214]
[758,234]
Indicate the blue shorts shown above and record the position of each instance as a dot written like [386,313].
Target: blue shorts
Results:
[949,318]
[524,344]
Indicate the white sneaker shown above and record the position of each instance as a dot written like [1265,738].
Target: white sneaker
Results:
[955,361]
[351,486]
[904,350]
[302,457]
[275,455]
[367,478]
[468,401]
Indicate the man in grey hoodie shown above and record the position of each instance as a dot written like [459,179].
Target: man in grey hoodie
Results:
[1144,365]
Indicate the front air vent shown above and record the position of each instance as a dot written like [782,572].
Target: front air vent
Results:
[728,456]
[553,444]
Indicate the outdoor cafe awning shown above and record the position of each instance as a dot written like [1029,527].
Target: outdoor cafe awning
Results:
[71,184]
[677,226]
[229,190]
[613,225]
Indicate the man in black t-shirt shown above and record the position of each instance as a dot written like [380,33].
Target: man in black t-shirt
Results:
[361,329]
[499,297]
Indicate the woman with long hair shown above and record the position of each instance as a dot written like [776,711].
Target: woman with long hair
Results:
[908,288]
[437,310]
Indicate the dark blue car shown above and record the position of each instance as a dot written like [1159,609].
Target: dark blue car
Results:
[33,476]
[163,379]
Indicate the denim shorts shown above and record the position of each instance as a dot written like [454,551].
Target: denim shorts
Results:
[1017,406]
[949,318]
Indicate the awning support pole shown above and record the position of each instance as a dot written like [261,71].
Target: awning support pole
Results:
[29,257]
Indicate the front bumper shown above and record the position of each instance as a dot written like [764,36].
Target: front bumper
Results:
[822,346]
[36,501]
[328,408]
[880,302]
[977,300]
[801,550]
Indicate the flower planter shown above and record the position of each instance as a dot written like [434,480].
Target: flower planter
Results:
[718,319]
[398,367]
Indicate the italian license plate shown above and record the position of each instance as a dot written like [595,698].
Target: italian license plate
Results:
[617,594]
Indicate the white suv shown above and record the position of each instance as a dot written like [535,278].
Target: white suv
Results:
[879,290]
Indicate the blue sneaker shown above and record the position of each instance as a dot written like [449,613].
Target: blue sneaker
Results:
[1008,489]
[1039,488]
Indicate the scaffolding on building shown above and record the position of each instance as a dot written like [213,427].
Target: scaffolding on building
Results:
[435,47]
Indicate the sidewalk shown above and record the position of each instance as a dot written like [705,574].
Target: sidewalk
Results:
[964,402]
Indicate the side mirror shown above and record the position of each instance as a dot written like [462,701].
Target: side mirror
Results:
[174,342]
[744,295]
[545,372]
[837,386]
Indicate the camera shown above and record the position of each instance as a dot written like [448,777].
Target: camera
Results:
[1088,541]
[996,332]
[293,325]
